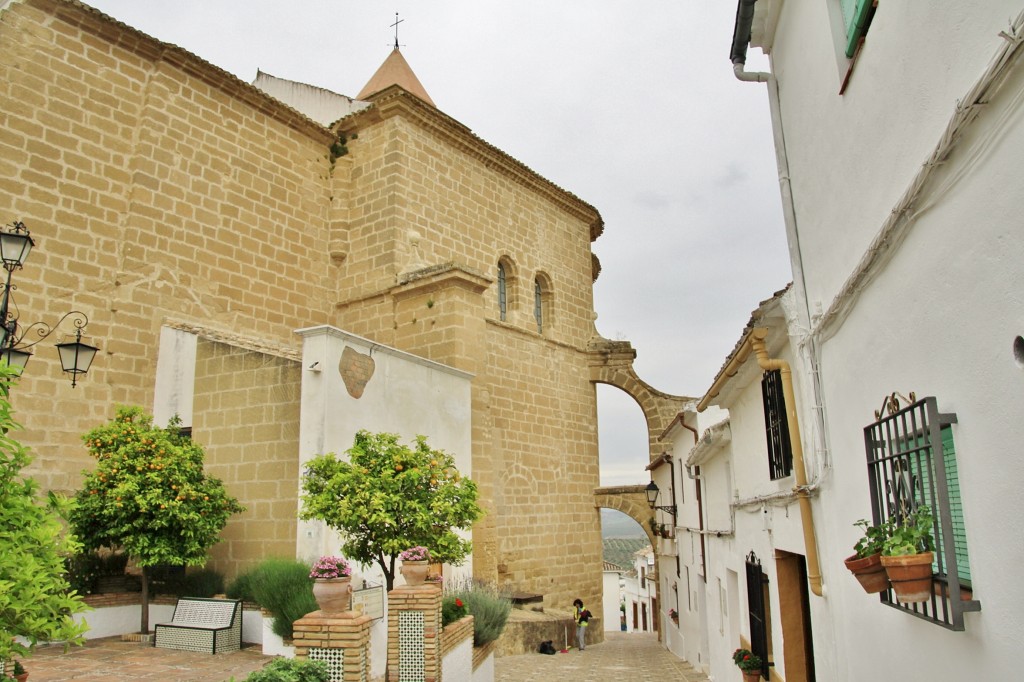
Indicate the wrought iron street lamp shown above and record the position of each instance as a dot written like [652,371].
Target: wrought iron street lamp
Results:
[75,357]
[652,499]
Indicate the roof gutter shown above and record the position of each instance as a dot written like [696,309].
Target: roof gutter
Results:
[740,40]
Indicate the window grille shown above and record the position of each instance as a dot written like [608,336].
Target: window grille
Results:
[912,462]
[780,451]
[757,588]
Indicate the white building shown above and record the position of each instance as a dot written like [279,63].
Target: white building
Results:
[612,614]
[640,590]
[898,134]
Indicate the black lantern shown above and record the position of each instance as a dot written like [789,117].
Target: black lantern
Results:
[652,499]
[75,357]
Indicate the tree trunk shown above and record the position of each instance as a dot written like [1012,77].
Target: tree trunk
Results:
[145,601]
[389,575]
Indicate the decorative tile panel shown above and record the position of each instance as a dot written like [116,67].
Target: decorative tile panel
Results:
[411,654]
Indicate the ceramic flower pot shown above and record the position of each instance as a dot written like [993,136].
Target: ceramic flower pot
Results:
[751,675]
[870,572]
[333,595]
[911,576]
[415,572]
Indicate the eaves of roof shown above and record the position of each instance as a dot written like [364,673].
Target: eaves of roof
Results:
[740,351]
[395,100]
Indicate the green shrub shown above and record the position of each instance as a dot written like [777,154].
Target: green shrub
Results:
[82,572]
[291,670]
[490,607]
[203,583]
[241,588]
[112,564]
[283,587]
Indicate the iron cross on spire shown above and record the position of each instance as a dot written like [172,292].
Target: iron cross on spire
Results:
[395,26]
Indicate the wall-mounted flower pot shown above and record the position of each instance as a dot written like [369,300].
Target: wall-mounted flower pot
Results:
[870,572]
[911,576]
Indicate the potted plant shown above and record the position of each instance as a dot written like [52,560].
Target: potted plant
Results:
[332,583]
[907,556]
[674,615]
[18,673]
[748,663]
[866,562]
[415,565]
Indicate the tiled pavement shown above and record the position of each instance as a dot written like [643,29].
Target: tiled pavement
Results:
[633,656]
[111,659]
[637,657]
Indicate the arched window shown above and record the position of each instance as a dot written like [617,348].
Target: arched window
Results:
[538,304]
[502,293]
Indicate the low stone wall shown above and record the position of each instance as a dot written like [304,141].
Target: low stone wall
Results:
[455,633]
[527,629]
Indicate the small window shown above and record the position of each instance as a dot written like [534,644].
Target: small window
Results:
[502,293]
[857,15]
[780,451]
[538,305]
[849,21]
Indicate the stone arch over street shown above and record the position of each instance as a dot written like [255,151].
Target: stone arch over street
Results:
[611,363]
[631,500]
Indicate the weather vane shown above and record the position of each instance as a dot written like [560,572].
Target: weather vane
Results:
[395,26]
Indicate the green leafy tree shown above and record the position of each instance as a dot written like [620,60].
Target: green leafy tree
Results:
[36,603]
[389,497]
[149,496]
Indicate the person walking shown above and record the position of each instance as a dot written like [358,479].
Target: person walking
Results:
[582,618]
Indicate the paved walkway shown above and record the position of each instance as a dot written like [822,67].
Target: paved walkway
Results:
[633,656]
[109,658]
[637,657]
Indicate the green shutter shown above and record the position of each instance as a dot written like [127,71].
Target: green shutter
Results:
[956,510]
[855,18]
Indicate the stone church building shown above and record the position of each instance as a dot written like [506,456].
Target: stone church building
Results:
[192,215]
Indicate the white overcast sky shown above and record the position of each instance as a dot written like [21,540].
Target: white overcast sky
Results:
[629,104]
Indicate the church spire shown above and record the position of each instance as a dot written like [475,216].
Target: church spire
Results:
[395,71]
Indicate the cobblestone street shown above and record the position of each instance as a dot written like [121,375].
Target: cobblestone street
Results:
[622,656]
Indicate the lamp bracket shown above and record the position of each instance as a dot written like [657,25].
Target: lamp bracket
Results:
[43,330]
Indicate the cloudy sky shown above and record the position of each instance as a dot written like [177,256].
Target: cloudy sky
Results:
[629,104]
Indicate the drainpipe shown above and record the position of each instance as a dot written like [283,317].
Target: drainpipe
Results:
[738,55]
[698,482]
[757,337]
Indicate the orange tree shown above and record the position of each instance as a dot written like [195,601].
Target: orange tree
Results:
[149,496]
[389,497]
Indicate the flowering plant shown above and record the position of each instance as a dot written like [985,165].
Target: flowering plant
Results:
[328,567]
[673,614]
[452,609]
[415,554]
[746,660]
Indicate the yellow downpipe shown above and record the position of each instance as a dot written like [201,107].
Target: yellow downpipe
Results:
[757,337]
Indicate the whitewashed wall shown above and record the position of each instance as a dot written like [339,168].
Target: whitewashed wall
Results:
[939,316]
[613,596]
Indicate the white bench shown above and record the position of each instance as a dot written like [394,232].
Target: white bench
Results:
[210,625]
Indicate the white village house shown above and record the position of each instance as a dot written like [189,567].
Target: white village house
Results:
[898,135]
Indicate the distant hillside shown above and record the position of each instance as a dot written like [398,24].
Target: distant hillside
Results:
[615,524]
[619,551]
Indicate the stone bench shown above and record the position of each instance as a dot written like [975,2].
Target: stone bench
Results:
[209,625]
